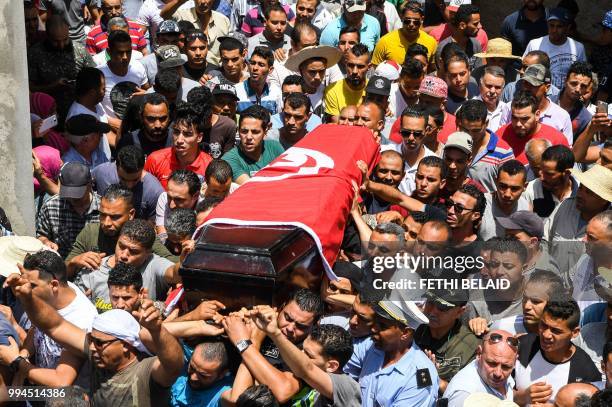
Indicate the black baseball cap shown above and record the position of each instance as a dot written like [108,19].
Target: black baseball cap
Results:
[74,179]
[378,85]
[84,124]
[447,298]
[527,221]
[168,27]
[225,89]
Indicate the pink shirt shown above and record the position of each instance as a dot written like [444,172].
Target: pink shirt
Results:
[443,31]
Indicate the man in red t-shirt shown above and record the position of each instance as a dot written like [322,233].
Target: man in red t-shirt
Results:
[526,126]
[185,153]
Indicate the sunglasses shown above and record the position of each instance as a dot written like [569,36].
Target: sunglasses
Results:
[413,21]
[196,36]
[457,206]
[101,344]
[414,133]
[512,341]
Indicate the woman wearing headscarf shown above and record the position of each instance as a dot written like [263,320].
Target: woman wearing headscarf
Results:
[43,106]
[46,165]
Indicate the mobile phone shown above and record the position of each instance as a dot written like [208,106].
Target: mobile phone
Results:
[48,123]
[602,107]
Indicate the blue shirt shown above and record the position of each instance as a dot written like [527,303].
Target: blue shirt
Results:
[97,157]
[277,121]
[519,30]
[271,98]
[396,384]
[181,394]
[370,32]
[468,381]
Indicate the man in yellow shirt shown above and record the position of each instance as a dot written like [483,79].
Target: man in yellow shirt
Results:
[394,44]
[352,89]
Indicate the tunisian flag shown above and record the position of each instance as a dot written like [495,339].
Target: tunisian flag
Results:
[308,186]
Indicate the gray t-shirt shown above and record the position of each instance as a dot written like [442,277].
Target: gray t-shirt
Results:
[489,226]
[346,392]
[72,12]
[153,279]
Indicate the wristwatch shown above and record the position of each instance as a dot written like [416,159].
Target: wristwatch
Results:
[14,366]
[243,344]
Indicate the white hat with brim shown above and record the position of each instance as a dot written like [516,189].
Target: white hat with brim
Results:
[598,179]
[486,400]
[13,250]
[331,54]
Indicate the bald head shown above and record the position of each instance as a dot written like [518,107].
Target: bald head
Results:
[568,395]
[347,115]
[535,147]
[496,359]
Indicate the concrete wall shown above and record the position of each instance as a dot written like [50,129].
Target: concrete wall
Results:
[16,187]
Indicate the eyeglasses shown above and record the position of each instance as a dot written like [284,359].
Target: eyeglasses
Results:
[413,21]
[457,206]
[99,343]
[512,341]
[414,133]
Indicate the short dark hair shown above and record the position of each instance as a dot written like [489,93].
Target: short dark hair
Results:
[218,169]
[207,203]
[273,7]
[187,177]
[437,113]
[511,246]
[88,79]
[562,155]
[308,301]
[412,69]
[419,217]
[118,37]
[335,341]
[256,112]
[416,49]
[154,99]
[125,275]
[370,296]
[473,110]
[525,99]
[464,14]
[471,190]
[602,398]
[413,6]
[566,310]
[293,80]
[181,222]
[49,264]
[118,191]
[265,53]
[580,68]
[434,161]
[230,44]
[556,290]
[139,231]
[458,57]
[415,111]
[186,114]
[360,50]
[201,99]
[185,26]
[257,396]
[543,58]
[350,30]
[297,100]
[131,159]
[512,167]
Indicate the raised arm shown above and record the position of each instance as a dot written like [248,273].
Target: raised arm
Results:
[170,8]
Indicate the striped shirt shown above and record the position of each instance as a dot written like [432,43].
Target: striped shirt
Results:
[97,39]
[253,23]
[485,164]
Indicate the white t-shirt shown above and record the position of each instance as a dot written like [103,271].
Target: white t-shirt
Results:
[100,57]
[136,74]
[561,56]
[148,15]
[513,325]
[407,186]
[76,109]
[397,104]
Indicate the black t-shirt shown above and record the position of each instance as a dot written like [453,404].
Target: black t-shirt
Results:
[220,138]
[196,74]
[145,144]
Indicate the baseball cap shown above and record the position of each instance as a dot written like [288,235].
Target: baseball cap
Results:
[460,140]
[536,75]
[236,36]
[561,14]
[389,69]
[354,5]
[453,5]
[527,221]
[405,312]
[225,89]
[168,27]
[607,20]
[74,180]
[169,56]
[434,87]
[378,85]
[84,124]
[447,299]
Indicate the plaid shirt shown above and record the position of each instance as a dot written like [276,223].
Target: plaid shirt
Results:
[58,222]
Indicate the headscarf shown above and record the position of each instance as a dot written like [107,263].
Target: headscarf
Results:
[44,106]
[50,161]
[122,325]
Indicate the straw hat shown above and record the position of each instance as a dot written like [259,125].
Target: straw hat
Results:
[13,250]
[598,179]
[486,400]
[331,54]
[498,48]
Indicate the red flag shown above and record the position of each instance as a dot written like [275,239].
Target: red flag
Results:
[308,186]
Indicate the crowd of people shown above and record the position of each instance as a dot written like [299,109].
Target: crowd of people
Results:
[147,114]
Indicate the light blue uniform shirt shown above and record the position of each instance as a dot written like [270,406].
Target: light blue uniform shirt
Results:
[370,32]
[468,381]
[396,384]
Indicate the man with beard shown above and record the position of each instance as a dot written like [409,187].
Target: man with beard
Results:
[571,99]
[406,91]
[273,36]
[505,200]
[392,369]
[464,28]
[256,90]
[97,240]
[212,23]
[225,101]
[555,183]
[350,90]
[389,171]
[525,24]
[353,15]
[296,112]
[349,37]
[97,38]
[294,84]
[154,133]
[312,12]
